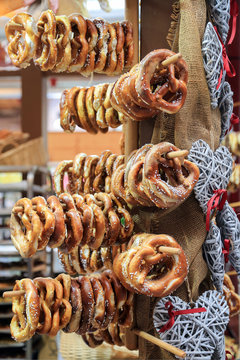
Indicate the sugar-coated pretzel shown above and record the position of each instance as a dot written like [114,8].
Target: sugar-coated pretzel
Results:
[26,228]
[46,53]
[135,267]
[26,309]
[179,184]
[21,34]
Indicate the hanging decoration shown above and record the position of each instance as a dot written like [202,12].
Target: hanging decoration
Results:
[226,108]
[215,170]
[220,14]
[197,332]
[213,254]
[213,63]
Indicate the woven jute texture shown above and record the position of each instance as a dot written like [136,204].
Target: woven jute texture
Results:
[196,120]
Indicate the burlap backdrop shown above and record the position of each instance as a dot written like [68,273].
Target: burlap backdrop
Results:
[196,120]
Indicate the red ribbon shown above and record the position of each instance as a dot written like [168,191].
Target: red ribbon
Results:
[172,314]
[234,11]
[217,201]
[226,250]
[233,121]
[228,66]
[229,353]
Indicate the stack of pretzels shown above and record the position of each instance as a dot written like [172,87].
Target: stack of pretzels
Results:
[150,87]
[82,305]
[89,109]
[147,266]
[155,175]
[62,43]
[69,221]
[87,174]
[84,260]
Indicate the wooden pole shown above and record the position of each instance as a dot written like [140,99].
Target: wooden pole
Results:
[131,127]
[162,344]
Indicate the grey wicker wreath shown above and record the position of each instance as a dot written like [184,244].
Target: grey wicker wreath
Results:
[220,13]
[213,63]
[215,170]
[229,225]
[226,108]
[212,250]
[200,335]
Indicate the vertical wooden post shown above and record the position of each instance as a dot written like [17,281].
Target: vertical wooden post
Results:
[131,127]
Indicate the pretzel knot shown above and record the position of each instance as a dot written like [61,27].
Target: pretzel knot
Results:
[26,311]
[26,228]
[168,181]
[46,54]
[145,270]
[163,88]
[21,33]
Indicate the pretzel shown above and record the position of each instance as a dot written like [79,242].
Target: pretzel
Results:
[87,304]
[169,96]
[89,171]
[66,119]
[71,97]
[47,218]
[78,167]
[178,186]
[21,34]
[109,300]
[135,267]
[26,309]
[66,263]
[73,223]
[119,48]
[26,228]
[79,44]
[92,339]
[58,236]
[126,316]
[99,308]
[102,44]
[65,281]
[46,53]
[98,183]
[114,332]
[77,308]
[126,221]
[111,61]
[92,38]
[46,290]
[58,177]
[232,298]
[63,34]
[118,187]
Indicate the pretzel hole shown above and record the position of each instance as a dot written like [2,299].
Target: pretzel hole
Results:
[160,270]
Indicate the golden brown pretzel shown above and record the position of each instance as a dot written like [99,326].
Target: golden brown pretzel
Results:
[63,36]
[77,307]
[179,184]
[102,44]
[99,307]
[63,167]
[232,298]
[47,218]
[169,96]
[109,300]
[21,34]
[26,228]
[73,224]
[46,291]
[128,43]
[78,168]
[26,309]
[134,265]
[65,260]
[46,53]
[65,281]
[100,173]
[59,234]
[87,304]
[66,119]
[79,44]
